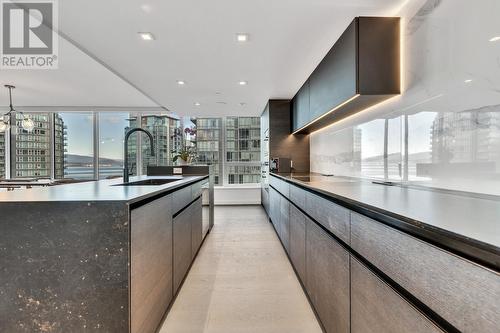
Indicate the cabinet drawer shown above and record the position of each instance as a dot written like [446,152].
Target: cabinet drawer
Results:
[298,241]
[274,207]
[274,182]
[196,190]
[332,216]
[181,198]
[298,196]
[280,185]
[327,279]
[376,307]
[264,197]
[182,247]
[285,223]
[463,293]
[196,226]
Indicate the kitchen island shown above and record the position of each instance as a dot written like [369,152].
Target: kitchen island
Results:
[97,256]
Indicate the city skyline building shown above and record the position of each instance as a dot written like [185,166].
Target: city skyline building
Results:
[31,151]
[242,145]
[60,147]
[2,155]
[162,128]
[209,136]
[467,139]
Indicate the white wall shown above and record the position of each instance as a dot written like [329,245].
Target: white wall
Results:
[238,195]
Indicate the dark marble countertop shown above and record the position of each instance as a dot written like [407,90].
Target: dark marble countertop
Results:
[102,190]
[467,224]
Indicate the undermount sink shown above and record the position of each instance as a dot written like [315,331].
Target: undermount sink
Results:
[150,182]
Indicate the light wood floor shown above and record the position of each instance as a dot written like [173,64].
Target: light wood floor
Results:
[241,281]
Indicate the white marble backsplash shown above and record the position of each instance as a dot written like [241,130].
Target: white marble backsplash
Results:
[444,130]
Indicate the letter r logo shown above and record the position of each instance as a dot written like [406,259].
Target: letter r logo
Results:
[27,27]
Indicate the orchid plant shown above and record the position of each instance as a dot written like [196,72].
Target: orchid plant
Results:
[186,154]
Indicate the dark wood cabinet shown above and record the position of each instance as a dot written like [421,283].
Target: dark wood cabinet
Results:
[280,210]
[376,307]
[327,279]
[333,217]
[298,196]
[298,242]
[181,198]
[361,70]
[196,211]
[274,208]
[264,198]
[182,246]
[355,270]
[150,264]
[285,223]
[196,189]
[276,122]
[443,281]
[300,107]
[281,186]
[334,80]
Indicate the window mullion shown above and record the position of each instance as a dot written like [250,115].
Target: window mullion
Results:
[96,136]
[52,145]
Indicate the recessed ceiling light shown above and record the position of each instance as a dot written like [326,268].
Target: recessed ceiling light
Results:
[197,103]
[146,8]
[243,83]
[468,81]
[146,35]
[242,37]
[181,83]
[495,39]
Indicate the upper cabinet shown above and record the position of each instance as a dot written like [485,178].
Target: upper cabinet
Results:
[334,80]
[361,69]
[300,107]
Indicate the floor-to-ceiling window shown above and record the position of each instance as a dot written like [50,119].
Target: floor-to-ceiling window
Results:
[31,155]
[112,129]
[232,146]
[242,145]
[163,129]
[209,144]
[78,145]
[73,137]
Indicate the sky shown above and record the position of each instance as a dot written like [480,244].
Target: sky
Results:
[80,133]
[419,134]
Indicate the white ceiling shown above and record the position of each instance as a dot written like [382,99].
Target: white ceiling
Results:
[195,42]
[80,81]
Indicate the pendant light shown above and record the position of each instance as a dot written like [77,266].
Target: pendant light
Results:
[6,122]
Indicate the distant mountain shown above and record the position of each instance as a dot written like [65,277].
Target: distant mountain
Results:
[82,160]
[415,157]
[425,156]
